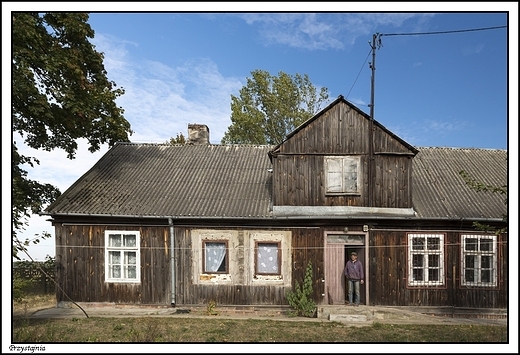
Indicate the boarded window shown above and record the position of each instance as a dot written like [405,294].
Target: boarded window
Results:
[425,259]
[122,256]
[479,260]
[342,174]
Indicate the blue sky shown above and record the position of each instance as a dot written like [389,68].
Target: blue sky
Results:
[177,68]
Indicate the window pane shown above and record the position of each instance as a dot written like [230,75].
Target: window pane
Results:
[351,173]
[114,240]
[129,240]
[486,262]
[417,260]
[433,274]
[418,275]
[131,258]
[471,243]
[470,261]
[485,276]
[131,272]
[433,243]
[469,275]
[334,175]
[486,244]
[215,255]
[114,257]
[433,261]
[115,271]
[418,243]
[267,259]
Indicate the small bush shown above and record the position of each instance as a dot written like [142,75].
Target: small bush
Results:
[300,299]
[210,308]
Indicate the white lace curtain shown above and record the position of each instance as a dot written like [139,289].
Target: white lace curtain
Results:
[215,254]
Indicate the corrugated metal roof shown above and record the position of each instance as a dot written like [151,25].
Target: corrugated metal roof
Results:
[173,180]
[439,191]
[234,181]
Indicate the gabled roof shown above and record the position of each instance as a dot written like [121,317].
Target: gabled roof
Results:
[333,103]
[234,181]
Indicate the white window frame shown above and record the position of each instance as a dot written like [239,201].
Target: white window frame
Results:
[338,173]
[477,267]
[423,255]
[123,252]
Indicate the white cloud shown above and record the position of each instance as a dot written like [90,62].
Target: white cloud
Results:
[159,102]
[324,31]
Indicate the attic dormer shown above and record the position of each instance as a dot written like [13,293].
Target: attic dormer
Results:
[327,161]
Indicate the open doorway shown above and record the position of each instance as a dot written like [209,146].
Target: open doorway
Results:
[338,246]
[360,250]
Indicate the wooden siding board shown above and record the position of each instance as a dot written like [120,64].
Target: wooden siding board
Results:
[388,270]
[81,273]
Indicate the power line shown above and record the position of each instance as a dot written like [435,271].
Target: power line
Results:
[358,74]
[442,32]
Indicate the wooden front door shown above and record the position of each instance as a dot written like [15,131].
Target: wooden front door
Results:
[338,246]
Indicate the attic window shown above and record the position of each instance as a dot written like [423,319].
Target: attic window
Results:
[342,175]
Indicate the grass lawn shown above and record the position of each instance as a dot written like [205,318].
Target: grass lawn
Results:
[208,330]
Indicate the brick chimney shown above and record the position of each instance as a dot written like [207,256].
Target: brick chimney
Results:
[198,134]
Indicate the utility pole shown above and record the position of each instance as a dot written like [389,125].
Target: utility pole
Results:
[376,42]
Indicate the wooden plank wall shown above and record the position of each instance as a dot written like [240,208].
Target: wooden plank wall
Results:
[298,168]
[80,266]
[307,244]
[388,276]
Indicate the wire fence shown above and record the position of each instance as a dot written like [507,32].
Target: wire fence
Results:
[33,279]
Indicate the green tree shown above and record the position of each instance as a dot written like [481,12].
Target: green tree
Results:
[482,187]
[269,107]
[179,139]
[60,93]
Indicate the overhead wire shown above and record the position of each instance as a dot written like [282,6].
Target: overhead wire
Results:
[379,43]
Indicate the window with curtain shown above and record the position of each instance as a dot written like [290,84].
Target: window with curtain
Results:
[479,260]
[425,259]
[215,256]
[268,258]
[122,256]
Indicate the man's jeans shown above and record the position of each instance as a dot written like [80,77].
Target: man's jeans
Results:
[353,288]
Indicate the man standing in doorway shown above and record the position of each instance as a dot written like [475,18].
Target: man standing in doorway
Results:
[354,273]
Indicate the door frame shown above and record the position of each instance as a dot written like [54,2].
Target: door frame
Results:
[345,242]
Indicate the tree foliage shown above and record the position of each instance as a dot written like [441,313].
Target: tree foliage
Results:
[179,139]
[269,107]
[60,93]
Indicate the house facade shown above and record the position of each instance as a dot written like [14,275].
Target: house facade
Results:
[237,224]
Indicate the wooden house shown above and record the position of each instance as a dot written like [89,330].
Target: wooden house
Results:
[237,224]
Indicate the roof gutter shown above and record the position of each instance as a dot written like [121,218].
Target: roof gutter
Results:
[279,217]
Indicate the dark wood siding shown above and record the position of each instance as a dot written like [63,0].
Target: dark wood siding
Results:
[80,261]
[298,165]
[388,275]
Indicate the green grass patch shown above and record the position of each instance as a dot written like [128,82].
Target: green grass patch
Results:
[203,330]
